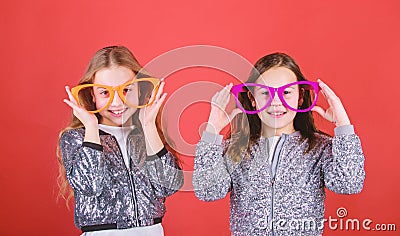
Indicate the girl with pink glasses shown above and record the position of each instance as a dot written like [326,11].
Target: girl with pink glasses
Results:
[276,164]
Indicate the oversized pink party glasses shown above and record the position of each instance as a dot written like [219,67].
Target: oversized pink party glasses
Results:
[289,94]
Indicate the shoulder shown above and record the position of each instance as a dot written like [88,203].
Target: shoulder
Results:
[323,141]
[74,131]
[322,137]
[72,134]
[240,149]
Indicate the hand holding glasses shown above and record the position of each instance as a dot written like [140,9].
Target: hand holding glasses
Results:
[335,112]
[135,93]
[300,96]
[308,96]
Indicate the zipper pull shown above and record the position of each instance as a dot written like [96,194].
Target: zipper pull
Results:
[273,182]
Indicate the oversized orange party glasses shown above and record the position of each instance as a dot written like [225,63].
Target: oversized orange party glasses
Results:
[135,93]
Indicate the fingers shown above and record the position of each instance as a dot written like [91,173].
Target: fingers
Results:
[159,97]
[150,112]
[159,102]
[327,115]
[70,96]
[76,108]
[71,104]
[326,90]
[160,90]
[214,97]
[222,97]
[227,89]
[155,96]
[319,110]
[225,92]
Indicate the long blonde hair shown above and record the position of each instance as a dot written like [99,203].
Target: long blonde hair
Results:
[104,58]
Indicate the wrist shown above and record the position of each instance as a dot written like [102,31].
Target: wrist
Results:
[342,123]
[210,128]
[149,128]
[92,134]
[92,126]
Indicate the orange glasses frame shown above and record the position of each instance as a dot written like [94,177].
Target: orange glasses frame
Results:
[120,90]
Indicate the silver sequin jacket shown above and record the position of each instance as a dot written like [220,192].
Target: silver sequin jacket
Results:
[287,196]
[106,191]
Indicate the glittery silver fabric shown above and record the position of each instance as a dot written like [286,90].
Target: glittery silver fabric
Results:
[106,191]
[292,203]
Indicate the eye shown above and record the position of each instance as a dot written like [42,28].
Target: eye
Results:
[263,91]
[104,93]
[128,89]
[289,91]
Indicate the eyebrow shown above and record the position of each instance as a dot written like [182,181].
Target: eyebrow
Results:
[292,87]
[98,87]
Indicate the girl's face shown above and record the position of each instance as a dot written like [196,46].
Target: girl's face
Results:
[118,113]
[277,118]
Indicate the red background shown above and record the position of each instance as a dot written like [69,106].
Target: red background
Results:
[45,45]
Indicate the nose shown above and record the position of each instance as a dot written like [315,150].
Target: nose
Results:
[117,101]
[276,101]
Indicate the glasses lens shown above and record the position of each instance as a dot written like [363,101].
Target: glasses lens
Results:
[138,93]
[306,98]
[248,94]
[86,95]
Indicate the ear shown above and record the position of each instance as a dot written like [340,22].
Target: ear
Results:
[301,102]
[301,97]
[92,94]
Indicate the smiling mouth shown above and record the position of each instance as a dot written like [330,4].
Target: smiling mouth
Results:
[118,112]
[276,113]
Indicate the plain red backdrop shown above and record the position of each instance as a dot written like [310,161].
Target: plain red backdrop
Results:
[45,45]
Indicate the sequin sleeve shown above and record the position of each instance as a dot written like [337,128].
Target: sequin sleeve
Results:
[164,173]
[211,179]
[83,162]
[343,162]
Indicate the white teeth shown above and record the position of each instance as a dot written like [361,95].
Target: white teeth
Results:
[118,112]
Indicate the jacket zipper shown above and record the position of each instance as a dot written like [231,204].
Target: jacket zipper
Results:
[128,171]
[272,206]
[276,154]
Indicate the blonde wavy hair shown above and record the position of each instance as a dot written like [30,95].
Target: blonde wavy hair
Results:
[104,58]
